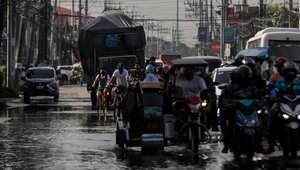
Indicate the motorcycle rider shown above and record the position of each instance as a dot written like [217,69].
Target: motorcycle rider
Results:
[277,74]
[256,76]
[238,88]
[287,85]
[150,76]
[188,84]
[138,72]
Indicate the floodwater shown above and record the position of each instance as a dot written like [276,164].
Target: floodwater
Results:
[68,135]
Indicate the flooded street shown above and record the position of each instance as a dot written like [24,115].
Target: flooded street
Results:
[69,135]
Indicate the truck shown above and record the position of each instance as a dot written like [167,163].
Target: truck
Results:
[109,39]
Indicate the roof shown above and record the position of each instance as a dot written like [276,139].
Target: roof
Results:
[189,62]
[226,68]
[213,61]
[41,68]
[254,52]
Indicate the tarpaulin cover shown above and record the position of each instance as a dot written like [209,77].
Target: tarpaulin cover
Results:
[111,34]
[254,52]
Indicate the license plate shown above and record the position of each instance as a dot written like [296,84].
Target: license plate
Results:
[39,87]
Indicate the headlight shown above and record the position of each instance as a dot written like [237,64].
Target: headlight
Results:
[259,111]
[26,85]
[52,86]
[204,103]
[194,107]
[298,117]
[285,116]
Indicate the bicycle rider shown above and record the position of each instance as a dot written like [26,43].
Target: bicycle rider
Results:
[120,78]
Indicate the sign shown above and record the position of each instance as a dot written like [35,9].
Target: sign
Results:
[202,34]
[215,47]
[228,35]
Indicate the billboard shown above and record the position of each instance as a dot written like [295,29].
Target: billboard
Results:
[202,34]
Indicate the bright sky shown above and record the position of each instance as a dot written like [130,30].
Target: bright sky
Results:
[160,9]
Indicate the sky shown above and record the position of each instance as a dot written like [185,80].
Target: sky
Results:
[161,9]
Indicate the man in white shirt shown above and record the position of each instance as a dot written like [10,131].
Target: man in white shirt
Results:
[119,77]
[189,84]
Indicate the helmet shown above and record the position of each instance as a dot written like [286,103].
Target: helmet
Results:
[149,68]
[280,61]
[289,71]
[248,61]
[120,65]
[238,59]
[166,66]
[245,72]
[239,56]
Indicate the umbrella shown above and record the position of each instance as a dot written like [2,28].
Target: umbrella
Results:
[77,64]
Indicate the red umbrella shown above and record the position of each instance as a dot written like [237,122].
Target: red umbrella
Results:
[77,64]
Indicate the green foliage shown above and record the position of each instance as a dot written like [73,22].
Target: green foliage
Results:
[7,92]
[2,75]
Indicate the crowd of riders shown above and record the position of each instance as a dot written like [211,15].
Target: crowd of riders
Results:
[247,81]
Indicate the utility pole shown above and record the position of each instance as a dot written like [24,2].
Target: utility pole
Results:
[53,25]
[291,9]
[177,24]
[9,43]
[86,12]
[222,45]
[80,18]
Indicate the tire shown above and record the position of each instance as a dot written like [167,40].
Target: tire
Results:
[120,138]
[26,98]
[293,142]
[195,139]
[56,97]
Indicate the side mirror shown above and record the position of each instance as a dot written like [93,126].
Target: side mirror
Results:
[23,78]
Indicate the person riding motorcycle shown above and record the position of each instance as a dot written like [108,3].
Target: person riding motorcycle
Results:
[188,84]
[150,76]
[238,88]
[287,85]
[256,76]
[277,74]
[138,72]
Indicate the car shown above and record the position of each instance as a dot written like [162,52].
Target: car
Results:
[65,73]
[41,81]
[221,77]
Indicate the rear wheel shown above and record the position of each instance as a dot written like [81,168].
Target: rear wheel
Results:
[56,97]
[195,139]
[26,98]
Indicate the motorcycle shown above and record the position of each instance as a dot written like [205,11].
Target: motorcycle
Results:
[189,127]
[245,127]
[289,121]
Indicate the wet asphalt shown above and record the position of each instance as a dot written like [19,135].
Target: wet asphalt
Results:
[69,135]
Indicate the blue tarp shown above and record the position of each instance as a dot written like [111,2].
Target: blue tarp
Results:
[254,52]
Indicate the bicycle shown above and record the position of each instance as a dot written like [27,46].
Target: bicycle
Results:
[118,105]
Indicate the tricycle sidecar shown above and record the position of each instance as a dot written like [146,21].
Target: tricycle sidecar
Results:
[142,123]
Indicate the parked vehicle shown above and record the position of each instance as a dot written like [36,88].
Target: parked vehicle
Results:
[289,126]
[65,73]
[41,81]
[221,77]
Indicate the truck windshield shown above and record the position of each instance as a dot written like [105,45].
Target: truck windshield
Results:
[110,63]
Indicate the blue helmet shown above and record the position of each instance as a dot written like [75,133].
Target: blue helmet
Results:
[149,68]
